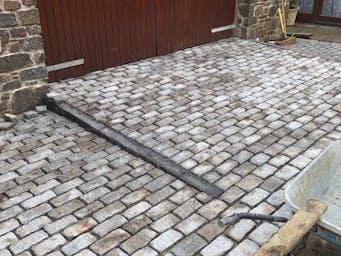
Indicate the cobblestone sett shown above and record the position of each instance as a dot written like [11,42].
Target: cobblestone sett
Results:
[189,246]
[81,242]
[218,246]
[27,242]
[231,111]
[49,245]
[109,242]
[138,241]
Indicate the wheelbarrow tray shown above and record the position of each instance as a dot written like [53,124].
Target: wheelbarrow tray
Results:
[320,180]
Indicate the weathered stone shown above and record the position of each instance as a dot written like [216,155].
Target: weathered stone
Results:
[27,98]
[29,17]
[33,74]
[11,5]
[18,32]
[39,57]
[13,62]
[14,47]
[4,38]
[9,117]
[109,241]
[32,43]
[79,228]
[34,30]
[4,126]
[29,2]
[7,20]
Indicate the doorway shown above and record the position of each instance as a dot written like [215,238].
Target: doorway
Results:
[320,11]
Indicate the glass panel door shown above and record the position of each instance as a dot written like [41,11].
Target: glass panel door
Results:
[306,6]
[331,8]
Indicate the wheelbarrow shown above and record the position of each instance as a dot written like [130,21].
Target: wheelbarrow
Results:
[315,196]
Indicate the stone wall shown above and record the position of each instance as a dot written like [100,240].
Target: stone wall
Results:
[257,19]
[23,75]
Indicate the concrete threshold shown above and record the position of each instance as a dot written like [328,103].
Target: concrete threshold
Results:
[132,146]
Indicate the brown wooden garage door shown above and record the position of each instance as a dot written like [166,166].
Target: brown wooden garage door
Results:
[107,33]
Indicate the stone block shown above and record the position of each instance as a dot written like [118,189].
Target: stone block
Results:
[29,2]
[12,5]
[29,17]
[7,20]
[33,74]
[32,43]
[4,38]
[27,98]
[11,86]
[18,32]
[14,62]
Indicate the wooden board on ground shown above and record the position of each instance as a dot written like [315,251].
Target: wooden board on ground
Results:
[290,40]
[294,230]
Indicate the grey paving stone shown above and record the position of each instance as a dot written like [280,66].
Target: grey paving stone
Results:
[263,233]
[76,245]
[166,240]
[245,248]
[7,240]
[49,245]
[240,230]
[27,242]
[255,196]
[109,242]
[189,246]
[32,226]
[190,224]
[212,209]
[137,224]
[218,246]
[138,241]
[165,223]
[109,225]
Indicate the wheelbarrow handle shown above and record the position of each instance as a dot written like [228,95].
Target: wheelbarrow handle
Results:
[233,219]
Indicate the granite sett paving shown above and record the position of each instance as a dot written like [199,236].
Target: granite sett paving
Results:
[244,116]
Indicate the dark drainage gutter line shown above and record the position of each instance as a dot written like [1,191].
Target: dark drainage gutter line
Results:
[132,146]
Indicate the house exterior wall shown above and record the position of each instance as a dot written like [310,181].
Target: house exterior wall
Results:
[257,19]
[23,74]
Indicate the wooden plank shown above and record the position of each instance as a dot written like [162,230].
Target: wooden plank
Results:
[286,239]
[46,36]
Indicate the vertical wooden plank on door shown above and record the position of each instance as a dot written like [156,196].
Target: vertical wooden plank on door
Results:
[179,17]
[124,25]
[117,30]
[110,14]
[96,35]
[75,34]
[162,26]
[102,35]
[62,40]
[141,29]
[120,25]
[70,49]
[90,35]
[80,14]
[133,8]
[46,36]
[54,50]
[152,42]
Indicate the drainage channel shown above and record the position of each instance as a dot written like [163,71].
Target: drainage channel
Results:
[132,146]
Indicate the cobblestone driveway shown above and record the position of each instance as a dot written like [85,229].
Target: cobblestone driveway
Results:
[244,116]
